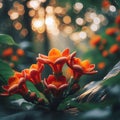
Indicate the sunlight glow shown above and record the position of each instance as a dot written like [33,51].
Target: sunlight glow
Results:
[94,27]
[80,21]
[112,8]
[1,5]
[38,25]
[83,35]
[33,4]
[78,6]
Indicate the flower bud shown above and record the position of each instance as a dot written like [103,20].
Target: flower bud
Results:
[40,100]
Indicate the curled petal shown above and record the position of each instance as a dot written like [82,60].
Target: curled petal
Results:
[51,86]
[77,68]
[90,68]
[21,81]
[91,72]
[70,59]
[54,87]
[72,55]
[43,56]
[13,88]
[63,86]
[60,60]
[43,60]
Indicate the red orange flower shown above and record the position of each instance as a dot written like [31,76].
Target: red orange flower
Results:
[56,84]
[118,38]
[105,3]
[33,74]
[16,85]
[20,52]
[7,52]
[114,48]
[81,67]
[101,65]
[14,58]
[117,20]
[55,59]
[111,31]
[105,53]
[95,40]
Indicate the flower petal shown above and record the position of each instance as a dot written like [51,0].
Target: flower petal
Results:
[77,68]
[13,88]
[5,87]
[63,86]
[54,54]
[43,56]
[60,60]
[44,60]
[91,72]
[66,52]
[13,80]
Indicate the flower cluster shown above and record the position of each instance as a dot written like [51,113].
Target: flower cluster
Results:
[107,44]
[12,55]
[56,86]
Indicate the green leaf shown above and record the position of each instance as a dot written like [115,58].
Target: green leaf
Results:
[5,71]
[113,77]
[32,87]
[6,39]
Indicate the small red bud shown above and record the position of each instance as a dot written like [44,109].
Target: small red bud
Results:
[40,100]
[33,96]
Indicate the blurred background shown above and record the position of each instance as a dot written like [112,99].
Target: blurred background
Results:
[90,27]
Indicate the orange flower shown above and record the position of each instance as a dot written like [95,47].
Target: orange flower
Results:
[7,52]
[95,40]
[111,31]
[14,58]
[33,74]
[118,38]
[114,48]
[16,85]
[101,65]
[55,59]
[56,84]
[105,3]
[117,20]
[81,67]
[105,53]
[20,52]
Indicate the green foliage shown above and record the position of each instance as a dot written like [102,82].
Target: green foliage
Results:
[5,71]
[6,39]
